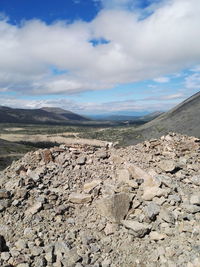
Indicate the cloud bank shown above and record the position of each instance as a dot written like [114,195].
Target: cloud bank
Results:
[135,49]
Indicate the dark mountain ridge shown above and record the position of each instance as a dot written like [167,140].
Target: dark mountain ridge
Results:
[38,116]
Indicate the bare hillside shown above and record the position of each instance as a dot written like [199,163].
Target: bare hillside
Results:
[184,119]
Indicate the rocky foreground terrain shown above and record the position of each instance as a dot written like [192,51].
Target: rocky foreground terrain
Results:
[103,207]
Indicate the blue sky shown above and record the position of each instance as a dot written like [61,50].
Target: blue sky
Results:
[99,56]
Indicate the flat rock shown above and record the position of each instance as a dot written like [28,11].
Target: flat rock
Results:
[34,209]
[114,207]
[80,198]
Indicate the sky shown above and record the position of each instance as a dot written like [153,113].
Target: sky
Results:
[99,56]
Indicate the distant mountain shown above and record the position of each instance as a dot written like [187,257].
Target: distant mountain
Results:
[65,114]
[133,118]
[184,119]
[38,116]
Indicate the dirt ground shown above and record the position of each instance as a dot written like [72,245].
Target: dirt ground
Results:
[62,138]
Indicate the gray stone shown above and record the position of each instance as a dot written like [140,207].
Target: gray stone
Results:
[61,247]
[195,199]
[192,208]
[36,251]
[50,257]
[71,257]
[152,210]
[37,174]
[167,216]
[114,207]
[21,244]
[195,179]
[139,229]
[165,180]
[167,165]
[81,160]
[4,204]
[102,154]
[40,262]
[5,256]
[174,198]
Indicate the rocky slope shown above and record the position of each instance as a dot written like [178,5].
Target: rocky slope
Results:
[184,119]
[82,206]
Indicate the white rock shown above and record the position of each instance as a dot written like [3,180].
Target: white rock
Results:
[167,165]
[80,198]
[151,192]
[157,236]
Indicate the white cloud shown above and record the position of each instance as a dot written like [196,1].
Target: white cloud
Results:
[161,80]
[146,104]
[193,81]
[160,44]
[196,69]
[173,96]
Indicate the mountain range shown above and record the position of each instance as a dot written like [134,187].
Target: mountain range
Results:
[46,115]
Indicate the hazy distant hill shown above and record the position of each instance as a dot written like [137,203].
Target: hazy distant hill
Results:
[44,115]
[137,118]
[184,118]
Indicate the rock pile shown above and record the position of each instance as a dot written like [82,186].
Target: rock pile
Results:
[103,207]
